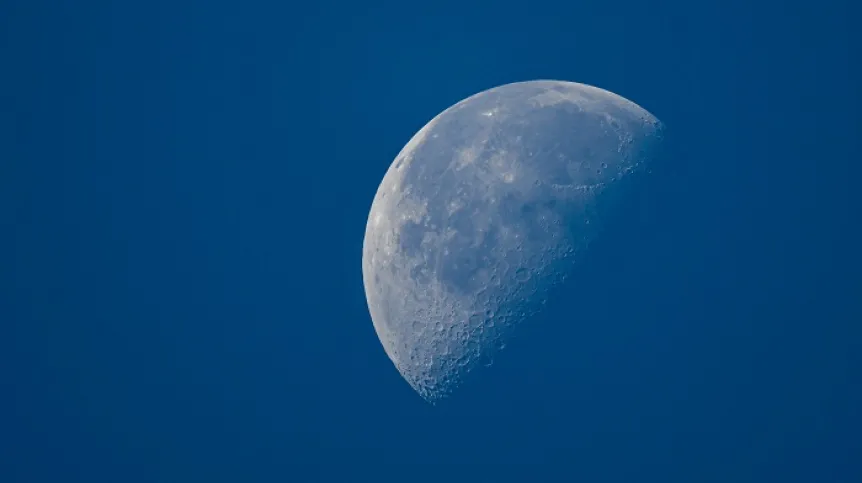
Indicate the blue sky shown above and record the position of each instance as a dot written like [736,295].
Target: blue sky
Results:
[183,194]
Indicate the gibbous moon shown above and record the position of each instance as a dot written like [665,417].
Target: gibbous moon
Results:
[484,211]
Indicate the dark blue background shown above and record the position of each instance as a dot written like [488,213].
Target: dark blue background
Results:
[184,188]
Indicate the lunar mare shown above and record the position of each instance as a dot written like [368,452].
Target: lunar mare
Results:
[487,209]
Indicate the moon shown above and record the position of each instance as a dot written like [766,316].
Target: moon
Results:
[485,211]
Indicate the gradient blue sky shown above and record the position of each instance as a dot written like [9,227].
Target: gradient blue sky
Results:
[183,193]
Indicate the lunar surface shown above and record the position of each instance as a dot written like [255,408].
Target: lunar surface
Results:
[486,210]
